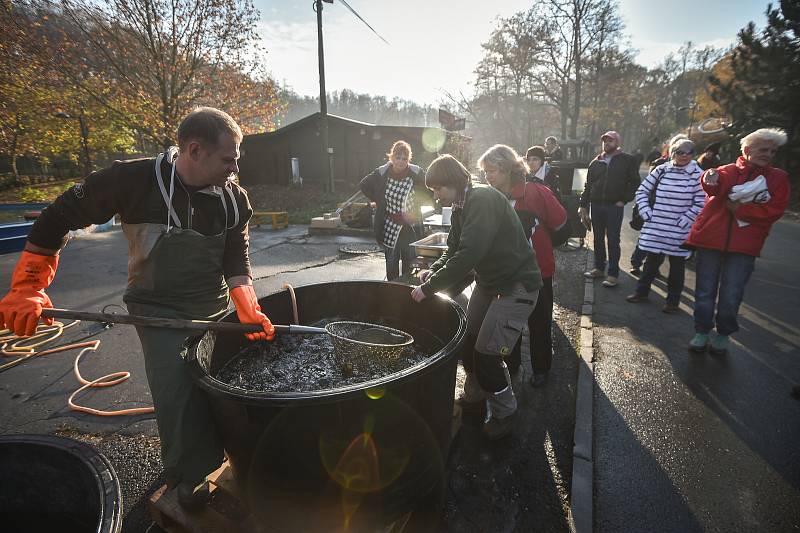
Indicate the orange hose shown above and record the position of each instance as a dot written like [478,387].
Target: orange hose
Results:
[12,346]
[288,287]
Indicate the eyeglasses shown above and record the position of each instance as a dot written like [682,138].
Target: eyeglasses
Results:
[681,152]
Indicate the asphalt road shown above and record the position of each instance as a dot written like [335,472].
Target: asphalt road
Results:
[686,442]
[520,484]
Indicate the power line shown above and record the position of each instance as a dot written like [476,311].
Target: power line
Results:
[354,12]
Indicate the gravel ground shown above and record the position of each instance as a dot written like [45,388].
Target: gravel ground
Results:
[522,483]
[137,462]
[518,484]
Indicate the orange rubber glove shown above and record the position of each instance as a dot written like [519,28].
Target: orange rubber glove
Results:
[21,308]
[249,312]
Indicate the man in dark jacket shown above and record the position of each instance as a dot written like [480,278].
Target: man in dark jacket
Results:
[611,182]
[186,222]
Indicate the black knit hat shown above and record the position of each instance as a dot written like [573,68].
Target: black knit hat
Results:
[535,151]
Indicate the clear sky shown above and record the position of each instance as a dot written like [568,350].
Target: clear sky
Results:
[435,44]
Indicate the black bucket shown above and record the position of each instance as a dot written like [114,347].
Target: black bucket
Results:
[54,483]
[359,458]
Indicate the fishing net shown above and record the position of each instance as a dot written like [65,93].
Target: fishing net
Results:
[359,346]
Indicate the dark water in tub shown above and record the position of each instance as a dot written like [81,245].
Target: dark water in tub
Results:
[303,363]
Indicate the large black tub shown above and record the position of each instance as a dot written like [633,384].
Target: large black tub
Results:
[57,484]
[357,458]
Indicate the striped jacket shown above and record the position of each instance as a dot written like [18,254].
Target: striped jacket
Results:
[678,200]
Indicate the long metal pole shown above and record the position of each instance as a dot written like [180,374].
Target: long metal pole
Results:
[323,100]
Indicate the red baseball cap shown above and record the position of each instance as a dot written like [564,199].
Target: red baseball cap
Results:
[613,135]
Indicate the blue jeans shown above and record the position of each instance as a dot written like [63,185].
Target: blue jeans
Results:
[400,252]
[677,274]
[637,257]
[607,223]
[726,274]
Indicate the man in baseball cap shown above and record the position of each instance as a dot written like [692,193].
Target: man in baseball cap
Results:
[611,182]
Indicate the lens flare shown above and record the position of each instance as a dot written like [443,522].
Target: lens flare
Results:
[375,393]
[433,139]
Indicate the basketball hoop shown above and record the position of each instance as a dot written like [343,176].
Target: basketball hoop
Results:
[713,125]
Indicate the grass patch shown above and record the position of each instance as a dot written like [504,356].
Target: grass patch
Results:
[37,193]
[302,204]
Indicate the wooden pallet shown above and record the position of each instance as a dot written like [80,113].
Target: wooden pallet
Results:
[278,219]
[223,514]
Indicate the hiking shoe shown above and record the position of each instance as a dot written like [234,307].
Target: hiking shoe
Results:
[699,342]
[670,309]
[719,345]
[497,428]
[635,271]
[594,273]
[538,380]
[192,498]
[636,298]
[610,281]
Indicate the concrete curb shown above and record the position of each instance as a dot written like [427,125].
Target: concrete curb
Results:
[581,502]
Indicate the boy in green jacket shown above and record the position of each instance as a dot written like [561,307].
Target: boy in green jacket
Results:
[486,237]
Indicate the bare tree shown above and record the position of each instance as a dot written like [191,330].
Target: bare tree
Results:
[157,59]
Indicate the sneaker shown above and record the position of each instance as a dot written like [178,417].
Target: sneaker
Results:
[538,380]
[610,281]
[192,498]
[670,309]
[636,298]
[635,271]
[719,345]
[497,428]
[699,342]
[594,273]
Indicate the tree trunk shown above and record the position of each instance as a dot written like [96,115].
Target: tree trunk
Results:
[15,179]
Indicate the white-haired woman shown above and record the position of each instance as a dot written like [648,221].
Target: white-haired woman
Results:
[540,212]
[744,200]
[669,199]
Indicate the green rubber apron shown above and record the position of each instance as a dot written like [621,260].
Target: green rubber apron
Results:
[176,272]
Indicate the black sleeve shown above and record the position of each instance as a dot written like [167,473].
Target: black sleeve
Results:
[236,261]
[94,201]
[552,180]
[587,188]
[634,179]
[369,185]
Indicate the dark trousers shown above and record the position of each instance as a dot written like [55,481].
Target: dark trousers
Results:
[637,257]
[540,327]
[607,224]
[723,274]
[400,252]
[677,274]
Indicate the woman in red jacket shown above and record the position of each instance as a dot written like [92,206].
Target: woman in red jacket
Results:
[744,200]
[540,212]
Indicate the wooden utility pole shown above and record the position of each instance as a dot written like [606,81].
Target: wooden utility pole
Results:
[327,151]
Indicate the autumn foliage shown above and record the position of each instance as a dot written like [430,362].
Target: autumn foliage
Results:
[131,69]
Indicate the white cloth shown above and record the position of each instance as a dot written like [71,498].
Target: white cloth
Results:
[753,191]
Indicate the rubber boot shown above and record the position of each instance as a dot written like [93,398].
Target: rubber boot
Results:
[192,498]
[473,400]
[502,408]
